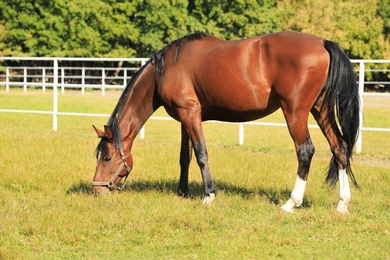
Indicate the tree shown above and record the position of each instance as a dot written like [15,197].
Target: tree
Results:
[355,25]
[235,19]
[159,23]
[138,28]
[67,28]
[384,12]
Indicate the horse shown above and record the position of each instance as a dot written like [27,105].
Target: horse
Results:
[200,77]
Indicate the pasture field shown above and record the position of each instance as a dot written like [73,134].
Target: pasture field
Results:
[48,212]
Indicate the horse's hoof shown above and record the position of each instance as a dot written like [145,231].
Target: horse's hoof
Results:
[288,210]
[289,206]
[209,198]
[342,208]
[182,194]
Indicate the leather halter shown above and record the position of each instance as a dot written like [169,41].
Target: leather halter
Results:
[111,183]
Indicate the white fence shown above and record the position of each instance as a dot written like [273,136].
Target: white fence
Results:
[100,77]
[70,77]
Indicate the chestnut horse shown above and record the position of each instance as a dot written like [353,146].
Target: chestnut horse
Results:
[200,77]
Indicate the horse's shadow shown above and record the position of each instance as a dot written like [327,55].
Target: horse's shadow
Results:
[196,190]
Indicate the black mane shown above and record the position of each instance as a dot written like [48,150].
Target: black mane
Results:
[113,121]
[158,59]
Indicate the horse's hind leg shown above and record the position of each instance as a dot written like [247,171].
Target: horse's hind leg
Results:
[297,125]
[338,164]
[185,159]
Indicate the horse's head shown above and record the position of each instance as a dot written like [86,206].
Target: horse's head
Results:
[112,165]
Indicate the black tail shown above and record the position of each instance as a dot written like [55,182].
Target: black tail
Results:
[341,93]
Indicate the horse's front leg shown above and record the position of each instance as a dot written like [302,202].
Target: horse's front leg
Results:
[202,159]
[191,121]
[185,159]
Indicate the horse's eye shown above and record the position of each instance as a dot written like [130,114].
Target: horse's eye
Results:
[107,159]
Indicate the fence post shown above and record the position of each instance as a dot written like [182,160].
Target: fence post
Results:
[240,133]
[25,79]
[103,81]
[7,79]
[83,81]
[55,93]
[361,90]
[124,77]
[43,80]
[142,132]
[62,80]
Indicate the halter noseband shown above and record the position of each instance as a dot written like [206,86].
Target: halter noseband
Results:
[110,184]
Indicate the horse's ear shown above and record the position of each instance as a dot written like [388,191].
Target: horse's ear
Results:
[108,133]
[99,132]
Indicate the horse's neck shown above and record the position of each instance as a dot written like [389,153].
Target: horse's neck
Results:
[138,106]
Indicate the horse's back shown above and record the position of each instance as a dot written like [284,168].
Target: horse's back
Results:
[243,79]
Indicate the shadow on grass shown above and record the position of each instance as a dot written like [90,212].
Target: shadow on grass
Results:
[196,190]
[274,196]
[81,188]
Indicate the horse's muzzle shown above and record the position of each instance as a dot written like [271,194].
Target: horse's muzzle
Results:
[100,190]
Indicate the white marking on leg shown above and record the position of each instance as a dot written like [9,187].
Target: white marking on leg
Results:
[296,197]
[208,199]
[288,207]
[344,193]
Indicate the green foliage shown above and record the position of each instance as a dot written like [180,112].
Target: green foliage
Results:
[160,22]
[236,19]
[67,28]
[137,28]
[357,26]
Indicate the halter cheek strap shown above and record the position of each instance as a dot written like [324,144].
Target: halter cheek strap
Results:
[111,183]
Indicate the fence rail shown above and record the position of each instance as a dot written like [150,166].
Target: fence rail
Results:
[100,77]
[70,77]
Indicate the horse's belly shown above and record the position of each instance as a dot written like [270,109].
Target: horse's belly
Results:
[222,114]
[240,110]
[239,104]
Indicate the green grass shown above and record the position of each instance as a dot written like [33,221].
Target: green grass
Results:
[47,210]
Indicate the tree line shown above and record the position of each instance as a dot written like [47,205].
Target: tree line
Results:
[138,28]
